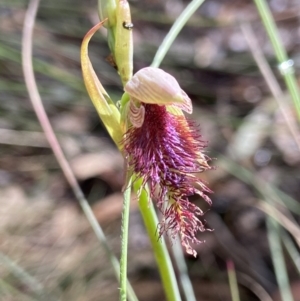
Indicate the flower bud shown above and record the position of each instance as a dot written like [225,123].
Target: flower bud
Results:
[123,50]
[154,86]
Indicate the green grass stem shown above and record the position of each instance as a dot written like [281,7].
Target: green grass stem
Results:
[270,79]
[291,249]
[234,289]
[285,65]
[73,81]
[185,281]
[8,292]
[32,283]
[174,31]
[278,259]
[267,190]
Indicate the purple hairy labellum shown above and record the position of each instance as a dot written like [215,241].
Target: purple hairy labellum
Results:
[166,151]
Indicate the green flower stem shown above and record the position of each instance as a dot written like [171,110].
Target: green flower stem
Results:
[281,55]
[159,246]
[124,242]
[278,259]
[174,31]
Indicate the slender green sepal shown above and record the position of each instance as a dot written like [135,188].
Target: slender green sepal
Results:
[105,107]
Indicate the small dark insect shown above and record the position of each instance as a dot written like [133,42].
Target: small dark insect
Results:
[128,25]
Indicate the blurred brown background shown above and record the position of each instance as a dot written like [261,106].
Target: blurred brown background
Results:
[42,228]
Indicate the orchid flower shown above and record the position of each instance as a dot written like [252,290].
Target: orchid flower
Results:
[162,150]
[159,144]
[166,151]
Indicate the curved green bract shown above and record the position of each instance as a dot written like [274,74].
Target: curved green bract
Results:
[105,107]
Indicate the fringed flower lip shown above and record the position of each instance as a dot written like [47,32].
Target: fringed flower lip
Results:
[166,151]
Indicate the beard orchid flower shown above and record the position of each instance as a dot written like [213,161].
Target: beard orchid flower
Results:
[159,144]
[165,150]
